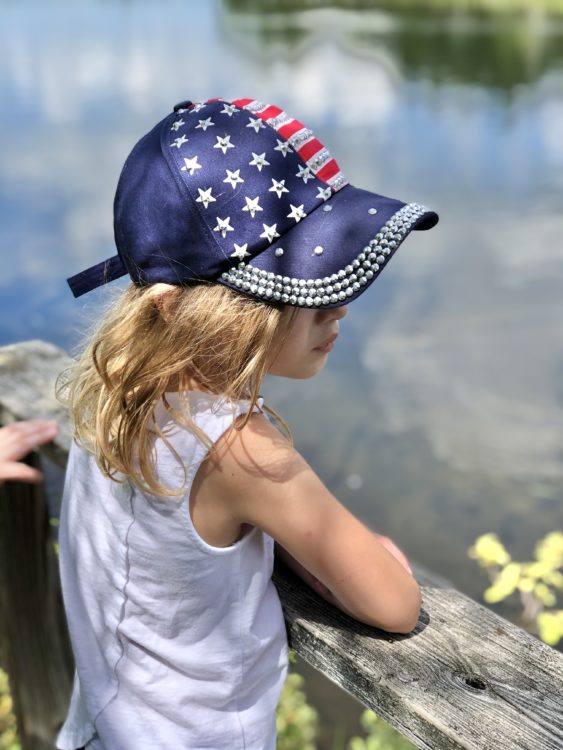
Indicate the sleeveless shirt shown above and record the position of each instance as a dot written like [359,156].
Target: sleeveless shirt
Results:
[177,644]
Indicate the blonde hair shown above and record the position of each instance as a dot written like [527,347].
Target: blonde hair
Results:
[221,338]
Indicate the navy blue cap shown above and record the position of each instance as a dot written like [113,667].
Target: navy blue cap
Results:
[240,193]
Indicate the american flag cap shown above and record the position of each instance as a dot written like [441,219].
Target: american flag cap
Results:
[240,193]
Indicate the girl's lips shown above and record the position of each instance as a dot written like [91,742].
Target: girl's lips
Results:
[328,344]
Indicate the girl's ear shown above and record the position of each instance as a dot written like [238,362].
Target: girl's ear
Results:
[162,299]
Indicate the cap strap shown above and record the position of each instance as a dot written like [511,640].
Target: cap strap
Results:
[97,275]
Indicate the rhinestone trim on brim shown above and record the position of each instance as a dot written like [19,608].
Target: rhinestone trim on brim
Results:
[338,287]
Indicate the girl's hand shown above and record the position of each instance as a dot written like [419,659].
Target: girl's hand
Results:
[391,547]
[16,441]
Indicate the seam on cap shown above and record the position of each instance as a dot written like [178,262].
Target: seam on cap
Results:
[183,185]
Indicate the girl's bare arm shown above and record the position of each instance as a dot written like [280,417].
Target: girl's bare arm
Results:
[271,486]
[320,588]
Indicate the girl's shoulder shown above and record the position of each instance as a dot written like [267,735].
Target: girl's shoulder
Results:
[200,405]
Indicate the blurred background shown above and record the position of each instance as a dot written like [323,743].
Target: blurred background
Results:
[439,416]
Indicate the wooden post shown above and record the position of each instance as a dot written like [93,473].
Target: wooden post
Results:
[33,630]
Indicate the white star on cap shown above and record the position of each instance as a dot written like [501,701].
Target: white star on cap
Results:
[278,187]
[179,141]
[256,124]
[252,205]
[305,173]
[269,232]
[296,213]
[233,178]
[324,193]
[228,109]
[259,161]
[240,251]
[204,124]
[190,165]
[224,226]
[178,124]
[205,197]
[198,106]
[284,147]
[224,143]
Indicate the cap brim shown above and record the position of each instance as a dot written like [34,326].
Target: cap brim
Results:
[333,255]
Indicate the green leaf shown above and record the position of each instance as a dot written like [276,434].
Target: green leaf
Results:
[550,549]
[504,584]
[545,595]
[488,550]
[550,625]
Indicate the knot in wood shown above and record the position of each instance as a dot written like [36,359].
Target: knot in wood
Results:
[474,681]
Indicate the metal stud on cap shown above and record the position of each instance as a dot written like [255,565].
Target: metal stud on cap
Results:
[278,252]
[372,211]
[318,250]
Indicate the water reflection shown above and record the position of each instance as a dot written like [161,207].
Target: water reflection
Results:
[440,415]
[472,354]
[445,387]
[499,51]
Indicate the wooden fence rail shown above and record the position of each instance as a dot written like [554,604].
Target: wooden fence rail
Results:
[463,678]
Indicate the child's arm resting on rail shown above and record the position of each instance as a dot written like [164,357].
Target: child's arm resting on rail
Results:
[314,583]
[270,485]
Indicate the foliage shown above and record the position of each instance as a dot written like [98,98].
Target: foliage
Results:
[489,7]
[380,735]
[536,581]
[8,730]
[297,721]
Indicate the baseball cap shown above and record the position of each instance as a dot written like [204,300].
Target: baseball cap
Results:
[240,193]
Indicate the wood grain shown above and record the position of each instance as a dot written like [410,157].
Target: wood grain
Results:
[463,678]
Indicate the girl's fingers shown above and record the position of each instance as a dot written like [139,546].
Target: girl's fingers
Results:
[19,438]
[19,472]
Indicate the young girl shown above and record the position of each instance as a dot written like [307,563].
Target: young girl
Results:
[244,244]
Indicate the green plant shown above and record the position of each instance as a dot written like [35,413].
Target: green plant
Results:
[297,721]
[535,581]
[8,730]
[380,735]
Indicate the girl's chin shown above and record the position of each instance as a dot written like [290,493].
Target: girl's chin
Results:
[311,371]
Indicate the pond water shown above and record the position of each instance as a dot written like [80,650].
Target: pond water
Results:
[440,414]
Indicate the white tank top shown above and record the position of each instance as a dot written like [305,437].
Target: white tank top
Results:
[178,645]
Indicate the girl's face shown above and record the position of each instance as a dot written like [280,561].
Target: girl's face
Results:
[310,339]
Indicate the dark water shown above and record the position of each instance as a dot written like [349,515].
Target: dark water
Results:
[440,414]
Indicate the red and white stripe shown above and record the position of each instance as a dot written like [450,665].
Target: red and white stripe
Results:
[300,138]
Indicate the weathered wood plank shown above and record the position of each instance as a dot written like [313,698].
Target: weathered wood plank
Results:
[464,678]
[28,371]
